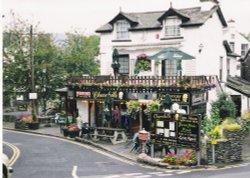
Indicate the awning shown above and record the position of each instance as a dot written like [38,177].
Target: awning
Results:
[171,54]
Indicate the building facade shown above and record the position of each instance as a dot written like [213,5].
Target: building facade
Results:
[159,48]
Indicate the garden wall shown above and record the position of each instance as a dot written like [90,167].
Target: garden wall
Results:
[227,150]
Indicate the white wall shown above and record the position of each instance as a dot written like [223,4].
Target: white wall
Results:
[210,35]
[82,110]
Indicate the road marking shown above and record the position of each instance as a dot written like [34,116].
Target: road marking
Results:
[16,153]
[74,172]
[133,174]
[142,176]
[114,176]
[182,172]
[161,175]
[154,173]
[169,171]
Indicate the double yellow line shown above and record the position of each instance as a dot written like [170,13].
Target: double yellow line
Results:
[16,153]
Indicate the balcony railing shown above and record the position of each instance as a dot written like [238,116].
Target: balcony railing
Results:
[143,80]
[141,83]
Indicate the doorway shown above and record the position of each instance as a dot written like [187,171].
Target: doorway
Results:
[237,101]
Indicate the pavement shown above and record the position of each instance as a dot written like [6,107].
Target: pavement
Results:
[121,149]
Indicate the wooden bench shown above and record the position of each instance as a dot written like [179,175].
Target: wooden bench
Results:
[113,134]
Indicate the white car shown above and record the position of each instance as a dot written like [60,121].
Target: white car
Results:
[7,169]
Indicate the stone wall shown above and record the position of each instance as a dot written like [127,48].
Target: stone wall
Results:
[227,150]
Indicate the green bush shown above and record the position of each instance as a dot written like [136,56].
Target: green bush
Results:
[245,122]
[246,115]
[208,124]
[232,127]
[216,133]
[225,105]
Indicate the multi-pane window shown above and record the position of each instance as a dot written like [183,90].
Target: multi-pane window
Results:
[124,64]
[244,49]
[122,32]
[232,46]
[172,27]
[221,68]
[170,66]
[228,67]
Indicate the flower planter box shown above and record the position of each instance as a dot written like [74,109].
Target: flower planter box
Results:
[33,125]
[65,132]
[73,134]
[21,125]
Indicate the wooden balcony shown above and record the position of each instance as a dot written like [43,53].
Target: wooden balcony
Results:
[141,83]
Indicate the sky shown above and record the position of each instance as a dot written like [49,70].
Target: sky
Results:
[60,16]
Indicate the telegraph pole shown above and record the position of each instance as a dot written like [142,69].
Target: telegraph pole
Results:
[32,70]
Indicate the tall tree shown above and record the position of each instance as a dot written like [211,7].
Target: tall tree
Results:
[79,54]
[49,72]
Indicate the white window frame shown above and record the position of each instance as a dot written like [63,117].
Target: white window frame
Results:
[172,27]
[232,46]
[122,32]
[244,49]
[124,64]
[170,68]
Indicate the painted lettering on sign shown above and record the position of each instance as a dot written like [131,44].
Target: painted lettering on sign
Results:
[179,97]
[180,132]
[82,94]
[104,95]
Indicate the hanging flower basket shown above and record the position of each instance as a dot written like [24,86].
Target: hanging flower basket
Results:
[143,63]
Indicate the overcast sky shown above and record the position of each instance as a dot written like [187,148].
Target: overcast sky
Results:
[59,16]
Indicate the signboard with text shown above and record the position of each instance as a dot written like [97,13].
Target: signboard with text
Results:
[176,130]
[181,98]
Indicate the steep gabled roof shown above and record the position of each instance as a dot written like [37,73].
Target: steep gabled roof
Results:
[247,56]
[174,12]
[238,84]
[229,50]
[129,17]
[152,20]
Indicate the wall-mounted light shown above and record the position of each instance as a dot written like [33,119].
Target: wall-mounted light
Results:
[200,47]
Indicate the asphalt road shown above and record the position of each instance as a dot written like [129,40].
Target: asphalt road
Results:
[45,157]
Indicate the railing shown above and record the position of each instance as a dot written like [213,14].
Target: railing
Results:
[144,80]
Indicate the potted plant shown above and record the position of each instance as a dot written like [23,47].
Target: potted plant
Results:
[142,64]
[133,108]
[72,131]
[27,122]
[152,106]
[34,124]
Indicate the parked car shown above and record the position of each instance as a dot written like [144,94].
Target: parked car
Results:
[7,169]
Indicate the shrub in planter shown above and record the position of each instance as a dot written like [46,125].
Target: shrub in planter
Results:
[170,159]
[34,125]
[188,158]
[72,131]
[20,124]
[27,122]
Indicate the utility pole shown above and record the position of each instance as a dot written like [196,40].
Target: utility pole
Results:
[34,111]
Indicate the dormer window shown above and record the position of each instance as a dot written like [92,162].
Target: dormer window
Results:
[172,27]
[122,32]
